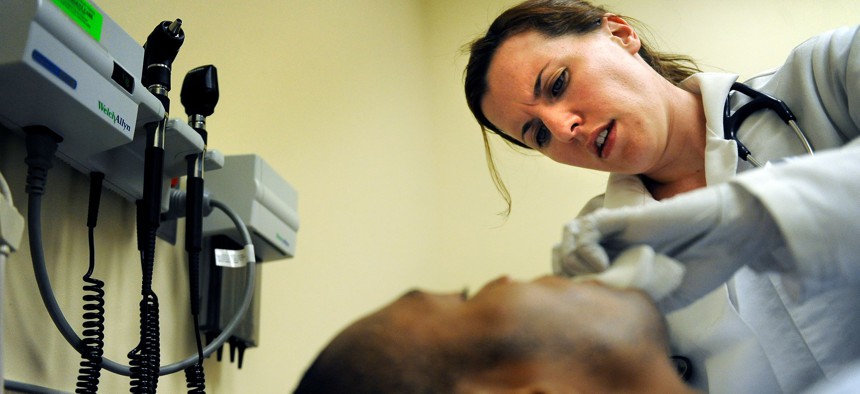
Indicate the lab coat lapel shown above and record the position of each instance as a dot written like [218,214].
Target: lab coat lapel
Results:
[721,155]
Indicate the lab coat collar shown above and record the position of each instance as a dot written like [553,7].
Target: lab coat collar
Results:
[721,155]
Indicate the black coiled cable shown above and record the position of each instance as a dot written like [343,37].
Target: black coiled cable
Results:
[92,343]
[93,336]
[144,360]
[194,376]
[195,379]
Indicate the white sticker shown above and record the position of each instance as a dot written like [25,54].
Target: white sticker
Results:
[231,258]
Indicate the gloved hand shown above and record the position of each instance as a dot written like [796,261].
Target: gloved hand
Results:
[639,267]
[711,231]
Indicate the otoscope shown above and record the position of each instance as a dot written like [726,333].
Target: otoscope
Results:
[161,48]
[199,96]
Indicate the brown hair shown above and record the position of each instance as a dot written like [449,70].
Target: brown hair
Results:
[552,18]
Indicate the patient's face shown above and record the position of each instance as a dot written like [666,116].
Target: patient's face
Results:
[552,309]
[547,335]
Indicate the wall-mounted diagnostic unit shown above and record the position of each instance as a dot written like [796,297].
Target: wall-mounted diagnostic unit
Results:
[66,65]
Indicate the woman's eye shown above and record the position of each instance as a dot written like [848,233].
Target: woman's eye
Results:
[542,136]
[558,85]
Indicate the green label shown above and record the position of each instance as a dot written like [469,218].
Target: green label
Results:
[84,14]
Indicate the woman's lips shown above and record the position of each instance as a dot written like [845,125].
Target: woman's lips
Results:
[605,140]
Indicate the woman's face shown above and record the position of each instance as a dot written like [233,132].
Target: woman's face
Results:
[585,100]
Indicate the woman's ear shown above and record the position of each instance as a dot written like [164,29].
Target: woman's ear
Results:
[622,33]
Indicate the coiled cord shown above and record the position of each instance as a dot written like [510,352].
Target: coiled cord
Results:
[92,343]
[93,336]
[195,379]
[144,359]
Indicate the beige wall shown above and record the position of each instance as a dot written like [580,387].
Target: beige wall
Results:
[358,104]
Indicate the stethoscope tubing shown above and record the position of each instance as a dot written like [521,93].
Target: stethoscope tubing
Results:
[732,121]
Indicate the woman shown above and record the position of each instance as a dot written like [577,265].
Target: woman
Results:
[577,84]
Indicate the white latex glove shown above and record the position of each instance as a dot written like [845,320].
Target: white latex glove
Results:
[639,267]
[711,231]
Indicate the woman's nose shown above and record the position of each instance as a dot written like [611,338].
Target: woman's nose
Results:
[563,125]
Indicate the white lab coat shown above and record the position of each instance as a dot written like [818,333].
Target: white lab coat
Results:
[750,336]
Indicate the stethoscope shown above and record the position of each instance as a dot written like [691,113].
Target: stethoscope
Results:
[732,122]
